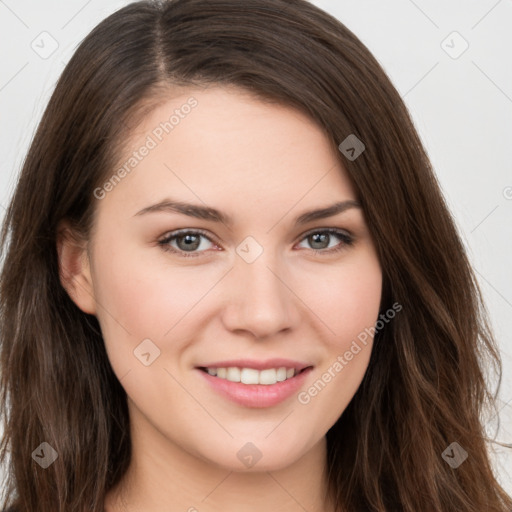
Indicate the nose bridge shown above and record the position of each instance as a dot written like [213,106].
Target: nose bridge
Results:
[262,302]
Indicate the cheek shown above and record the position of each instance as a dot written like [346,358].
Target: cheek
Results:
[349,312]
[346,298]
[141,297]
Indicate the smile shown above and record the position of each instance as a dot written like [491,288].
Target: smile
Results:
[255,388]
[266,377]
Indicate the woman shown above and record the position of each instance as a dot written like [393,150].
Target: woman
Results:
[231,281]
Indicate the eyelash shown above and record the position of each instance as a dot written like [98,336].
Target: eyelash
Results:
[347,240]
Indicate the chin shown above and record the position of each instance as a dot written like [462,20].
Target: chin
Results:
[251,459]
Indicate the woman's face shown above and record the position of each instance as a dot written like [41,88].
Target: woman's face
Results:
[265,288]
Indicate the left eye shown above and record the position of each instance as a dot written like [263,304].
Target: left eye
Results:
[318,238]
[190,241]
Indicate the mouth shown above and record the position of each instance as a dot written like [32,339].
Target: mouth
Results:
[244,375]
[255,384]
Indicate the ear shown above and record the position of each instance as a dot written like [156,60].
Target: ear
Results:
[74,268]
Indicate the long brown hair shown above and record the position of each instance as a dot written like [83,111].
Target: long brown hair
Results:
[425,387]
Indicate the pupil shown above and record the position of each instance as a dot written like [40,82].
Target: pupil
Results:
[189,241]
[319,238]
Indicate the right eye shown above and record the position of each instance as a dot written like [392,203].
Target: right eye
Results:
[187,242]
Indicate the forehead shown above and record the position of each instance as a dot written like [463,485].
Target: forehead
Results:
[223,146]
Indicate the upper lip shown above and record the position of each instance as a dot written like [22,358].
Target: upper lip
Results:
[257,365]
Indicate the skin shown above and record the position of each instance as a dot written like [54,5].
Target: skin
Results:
[263,164]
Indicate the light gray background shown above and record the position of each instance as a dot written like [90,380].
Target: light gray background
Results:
[461,105]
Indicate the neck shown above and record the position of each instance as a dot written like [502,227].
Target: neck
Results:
[164,476]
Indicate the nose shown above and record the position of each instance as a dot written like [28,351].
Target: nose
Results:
[261,300]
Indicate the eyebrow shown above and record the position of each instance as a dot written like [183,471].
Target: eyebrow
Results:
[212,214]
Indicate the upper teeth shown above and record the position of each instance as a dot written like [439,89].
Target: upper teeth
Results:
[252,376]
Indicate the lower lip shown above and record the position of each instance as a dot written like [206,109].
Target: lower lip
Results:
[256,395]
